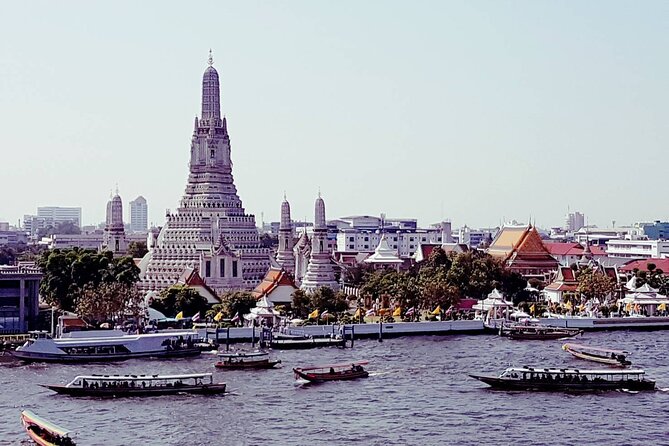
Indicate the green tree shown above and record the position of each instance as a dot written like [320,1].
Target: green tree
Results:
[137,250]
[109,301]
[592,283]
[7,255]
[66,272]
[324,298]
[237,302]
[300,304]
[180,298]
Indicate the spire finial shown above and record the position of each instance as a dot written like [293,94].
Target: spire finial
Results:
[210,61]
[116,188]
[319,192]
[284,196]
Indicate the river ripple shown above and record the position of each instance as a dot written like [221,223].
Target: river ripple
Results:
[418,394]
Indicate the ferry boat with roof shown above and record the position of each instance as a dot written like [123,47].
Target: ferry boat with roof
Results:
[43,432]
[100,348]
[552,379]
[246,360]
[140,385]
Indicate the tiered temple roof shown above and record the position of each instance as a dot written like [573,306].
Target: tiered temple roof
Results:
[523,251]
[210,231]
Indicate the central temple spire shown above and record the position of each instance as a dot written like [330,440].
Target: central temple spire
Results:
[211,96]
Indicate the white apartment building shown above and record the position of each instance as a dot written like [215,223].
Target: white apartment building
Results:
[637,249]
[139,215]
[57,214]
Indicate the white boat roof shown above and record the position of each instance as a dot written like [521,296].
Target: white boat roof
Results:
[243,354]
[140,377]
[579,371]
[112,339]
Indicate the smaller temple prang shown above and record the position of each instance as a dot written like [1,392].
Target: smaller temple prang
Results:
[320,271]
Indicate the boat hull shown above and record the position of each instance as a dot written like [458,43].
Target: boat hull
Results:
[552,386]
[325,377]
[209,389]
[65,358]
[599,359]
[33,426]
[265,364]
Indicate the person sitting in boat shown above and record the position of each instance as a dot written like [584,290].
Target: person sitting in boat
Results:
[332,370]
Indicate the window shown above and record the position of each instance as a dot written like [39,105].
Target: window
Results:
[351,239]
[213,154]
[222,270]
[234,268]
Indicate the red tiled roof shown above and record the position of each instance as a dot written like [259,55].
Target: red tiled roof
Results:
[573,249]
[273,279]
[642,265]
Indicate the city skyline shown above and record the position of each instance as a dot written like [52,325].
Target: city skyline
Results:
[477,116]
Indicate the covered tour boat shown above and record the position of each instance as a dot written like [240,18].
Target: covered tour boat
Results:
[99,347]
[140,385]
[43,432]
[245,360]
[332,372]
[529,378]
[597,354]
[537,332]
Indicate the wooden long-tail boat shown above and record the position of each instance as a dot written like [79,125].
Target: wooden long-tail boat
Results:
[43,432]
[332,372]
[597,354]
[246,360]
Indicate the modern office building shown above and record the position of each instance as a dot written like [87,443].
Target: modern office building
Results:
[139,215]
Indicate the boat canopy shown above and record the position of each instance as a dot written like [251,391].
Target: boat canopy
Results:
[577,371]
[333,366]
[140,377]
[32,418]
[593,349]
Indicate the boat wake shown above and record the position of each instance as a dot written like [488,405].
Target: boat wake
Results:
[633,392]
[663,389]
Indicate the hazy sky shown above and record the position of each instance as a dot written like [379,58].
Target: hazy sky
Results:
[476,111]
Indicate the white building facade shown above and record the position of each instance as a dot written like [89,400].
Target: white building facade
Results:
[139,215]
[637,249]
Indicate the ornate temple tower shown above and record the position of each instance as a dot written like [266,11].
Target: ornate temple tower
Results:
[320,272]
[284,255]
[302,252]
[210,230]
[114,236]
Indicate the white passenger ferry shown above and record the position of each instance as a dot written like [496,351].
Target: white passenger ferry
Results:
[100,348]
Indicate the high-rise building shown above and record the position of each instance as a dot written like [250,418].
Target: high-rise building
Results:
[210,232]
[56,214]
[574,221]
[139,215]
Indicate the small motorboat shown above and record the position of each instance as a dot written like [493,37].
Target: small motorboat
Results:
[245,360]
[537,332]
[561,380]
[140,385]
[597,354]
[43,432]
[332,372]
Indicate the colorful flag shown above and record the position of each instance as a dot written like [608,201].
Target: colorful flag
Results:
[235,318]
[218,316]
[324,314]
[436,311]
[370,312]
[179,316]
[313,314]
[410,311]
[397,312]
[196,317]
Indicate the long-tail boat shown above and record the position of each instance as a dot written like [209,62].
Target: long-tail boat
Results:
[598,354]
[332,372]
[43,432]
[246,360]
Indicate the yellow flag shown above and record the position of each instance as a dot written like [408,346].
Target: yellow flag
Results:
[567,305]
[357,313]
[628,307]
[313,314]
[662,306]
[180,315]
[397,312]
[437,311]
[218,316]
[533,308]
[581,307]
